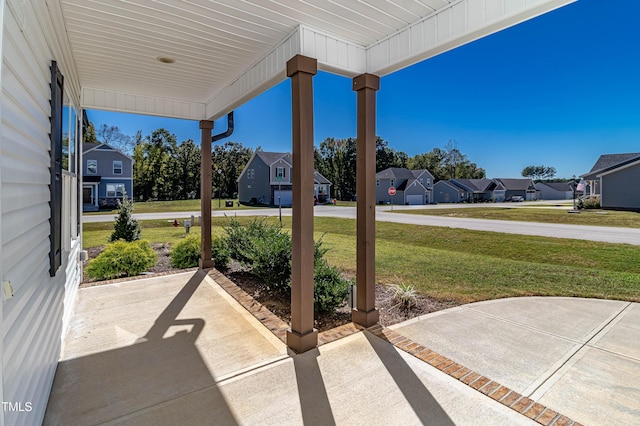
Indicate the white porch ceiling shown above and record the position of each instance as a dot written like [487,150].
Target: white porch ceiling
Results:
[228,51]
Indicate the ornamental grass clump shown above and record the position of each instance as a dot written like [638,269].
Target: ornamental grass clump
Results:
[405,295]
[122,259]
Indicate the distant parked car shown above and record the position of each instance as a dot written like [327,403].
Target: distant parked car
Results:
[517,198]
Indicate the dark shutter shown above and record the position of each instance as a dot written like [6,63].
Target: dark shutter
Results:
[55,188]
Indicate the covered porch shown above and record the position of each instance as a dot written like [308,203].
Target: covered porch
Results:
[201,60]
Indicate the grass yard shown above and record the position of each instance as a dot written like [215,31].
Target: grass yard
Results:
[540,214]
[455,264]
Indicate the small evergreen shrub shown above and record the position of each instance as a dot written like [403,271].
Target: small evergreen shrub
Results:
[270,257]
[330,290]
[592,202]
[186,253]
[126,227]
[122,259]
[220,253]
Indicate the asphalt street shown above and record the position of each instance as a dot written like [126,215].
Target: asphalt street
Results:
[384,214]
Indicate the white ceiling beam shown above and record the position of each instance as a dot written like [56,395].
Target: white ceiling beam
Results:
[137,104]
[459,23]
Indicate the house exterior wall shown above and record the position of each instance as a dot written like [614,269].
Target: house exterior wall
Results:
[415,189]
[548,193]
[382,194]
[273,171]
[620,190]
[35,318]
[254,182]
[444,193]
[104,159]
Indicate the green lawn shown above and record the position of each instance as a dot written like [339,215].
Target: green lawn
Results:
[459,265]
[175,206]
[540,214]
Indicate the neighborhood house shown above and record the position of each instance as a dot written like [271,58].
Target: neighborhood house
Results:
[107,175]
[614,177]
[267,180]
[412,186]
[485,190]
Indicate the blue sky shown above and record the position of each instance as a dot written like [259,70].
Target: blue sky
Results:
[557,91]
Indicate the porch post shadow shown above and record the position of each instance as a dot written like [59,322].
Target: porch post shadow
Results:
[365,312]
[205,195]
[302,335]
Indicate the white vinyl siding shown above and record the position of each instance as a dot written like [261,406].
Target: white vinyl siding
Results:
[34,319]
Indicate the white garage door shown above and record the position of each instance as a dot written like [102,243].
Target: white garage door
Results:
[415,199]
[286,198]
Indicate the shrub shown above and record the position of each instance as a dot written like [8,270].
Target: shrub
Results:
[186,253]
[330,290]
[270,257]
[405,295]
[592,202]
[220,253]
[239,239]
[126,227]
[122,258]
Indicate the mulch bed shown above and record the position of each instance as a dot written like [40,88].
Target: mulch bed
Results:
[279,302]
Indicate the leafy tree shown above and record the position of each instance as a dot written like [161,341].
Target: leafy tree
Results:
[228,161]
[155,166]
[187,177]
[112,136]
[539,172]
[447,163]
[388,157]
[89,135]
[126,227]
[336,160]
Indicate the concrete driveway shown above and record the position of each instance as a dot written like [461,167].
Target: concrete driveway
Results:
[383,214]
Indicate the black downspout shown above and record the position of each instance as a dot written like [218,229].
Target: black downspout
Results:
[229,131]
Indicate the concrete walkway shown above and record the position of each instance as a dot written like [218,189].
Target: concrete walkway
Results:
[179,350]
[579,356]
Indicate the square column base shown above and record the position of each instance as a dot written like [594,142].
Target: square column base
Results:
[205,264]
[365,319]
[302,342]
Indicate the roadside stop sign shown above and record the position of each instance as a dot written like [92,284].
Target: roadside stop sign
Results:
[392,190]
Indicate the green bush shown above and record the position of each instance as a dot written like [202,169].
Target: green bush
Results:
[220,253]
[126,227]
[330,290]
[186,253]
[122,259]
[270,257]
[239,239]
[592,202]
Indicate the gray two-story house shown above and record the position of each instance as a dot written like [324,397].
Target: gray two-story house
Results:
[267,179]
[107,176]
[412,186]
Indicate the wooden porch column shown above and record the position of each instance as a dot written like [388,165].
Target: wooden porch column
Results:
[365,312]
[205,194]
[302,335]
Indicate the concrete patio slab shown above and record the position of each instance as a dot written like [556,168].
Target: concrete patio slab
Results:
[357,380]
[185,352]
[589,349]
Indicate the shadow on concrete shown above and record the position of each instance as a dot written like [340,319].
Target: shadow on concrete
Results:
[417,395]
[314,401]
[160,379]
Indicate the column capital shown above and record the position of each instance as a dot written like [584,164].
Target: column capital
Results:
[366,81]
[206,124]
[300,63]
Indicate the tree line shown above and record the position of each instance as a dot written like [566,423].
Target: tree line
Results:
[167,170]
[335,159]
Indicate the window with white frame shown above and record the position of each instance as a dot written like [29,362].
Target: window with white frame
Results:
[115,190]
[92,167]
[117,167]
[279,172]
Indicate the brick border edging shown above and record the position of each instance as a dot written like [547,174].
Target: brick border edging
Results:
[276,325]
[502,394]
